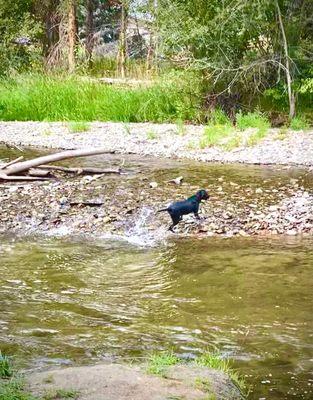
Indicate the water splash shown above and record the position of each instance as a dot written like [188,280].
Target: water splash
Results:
[140,234]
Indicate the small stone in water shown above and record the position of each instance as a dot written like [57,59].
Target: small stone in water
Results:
[153,185]
[258,190]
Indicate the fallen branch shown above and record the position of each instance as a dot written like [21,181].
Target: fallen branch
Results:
[26,165]
[39,172]
[11,162]
[5,177]
[81,170]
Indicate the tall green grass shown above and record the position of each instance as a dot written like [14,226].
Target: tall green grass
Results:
[5,366]
[216,361]
[13,389]
[63,98]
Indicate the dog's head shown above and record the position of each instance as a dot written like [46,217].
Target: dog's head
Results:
[202,195]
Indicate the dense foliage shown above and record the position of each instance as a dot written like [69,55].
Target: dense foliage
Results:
[252,54]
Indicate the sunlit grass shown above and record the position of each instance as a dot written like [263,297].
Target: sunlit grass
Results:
[13,389]
[56,394]
[158,362]
[255,120]
[214,134]
[78,126]
[216,361]
[299,123]
[64,98]
[5,366]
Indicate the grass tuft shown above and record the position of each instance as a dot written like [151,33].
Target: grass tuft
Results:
[6,370]
[60,394]
[203,384]
[282,133]
[180,127]
[151,135]
[218,117]
[13,389]
[299,124]
[159,362]
[78,126]
[253,120]
[216,361]
[213,134]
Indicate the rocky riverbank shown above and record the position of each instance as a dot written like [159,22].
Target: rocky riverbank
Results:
[126,205]
[161,140]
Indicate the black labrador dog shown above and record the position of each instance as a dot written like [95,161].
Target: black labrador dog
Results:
[180,208]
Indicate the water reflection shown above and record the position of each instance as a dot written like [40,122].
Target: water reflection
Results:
[63,301]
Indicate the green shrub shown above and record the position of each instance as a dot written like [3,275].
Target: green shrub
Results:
[218,117]
[299,123]
[252,120]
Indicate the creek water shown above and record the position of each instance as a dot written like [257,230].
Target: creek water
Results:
[79,301]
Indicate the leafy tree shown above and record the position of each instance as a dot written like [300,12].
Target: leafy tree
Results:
[239,45]
[19,35]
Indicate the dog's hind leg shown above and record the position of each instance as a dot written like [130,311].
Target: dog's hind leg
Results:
[175,219]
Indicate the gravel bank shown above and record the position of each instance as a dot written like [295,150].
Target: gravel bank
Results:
[128,207]
[161,140]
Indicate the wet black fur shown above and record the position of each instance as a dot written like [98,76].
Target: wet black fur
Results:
[180,208]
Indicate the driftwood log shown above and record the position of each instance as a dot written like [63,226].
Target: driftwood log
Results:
[81,170]
[38,169]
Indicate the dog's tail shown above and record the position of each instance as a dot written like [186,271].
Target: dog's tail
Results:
[163,209]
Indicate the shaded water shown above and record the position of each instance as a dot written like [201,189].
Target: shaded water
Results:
[76,301]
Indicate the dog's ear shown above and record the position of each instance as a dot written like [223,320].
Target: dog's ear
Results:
[204,194]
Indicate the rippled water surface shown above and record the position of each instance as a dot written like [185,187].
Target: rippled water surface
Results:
[82,301]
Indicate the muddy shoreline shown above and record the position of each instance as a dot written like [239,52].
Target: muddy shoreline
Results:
[160,140]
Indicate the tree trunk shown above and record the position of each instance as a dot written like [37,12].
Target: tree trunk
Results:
[91,4]
[152,46]
[122,51]
[291,95]
[72,32]
[52,22]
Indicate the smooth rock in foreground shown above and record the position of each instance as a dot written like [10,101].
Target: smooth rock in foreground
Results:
[121,382]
